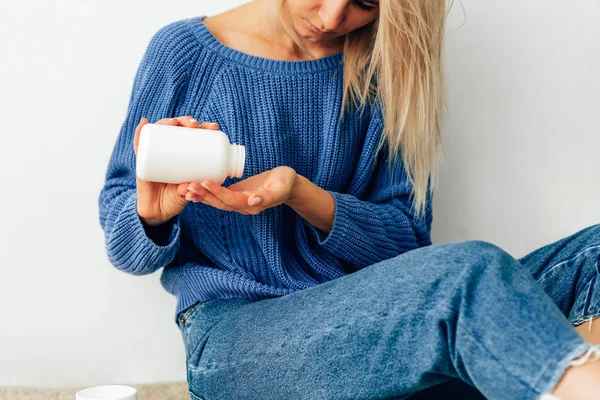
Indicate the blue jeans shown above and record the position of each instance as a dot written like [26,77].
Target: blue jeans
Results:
[460,320]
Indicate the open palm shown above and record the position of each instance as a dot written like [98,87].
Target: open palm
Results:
[272,187]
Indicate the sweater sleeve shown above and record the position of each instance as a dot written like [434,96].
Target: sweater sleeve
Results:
[131,245]
[379,224]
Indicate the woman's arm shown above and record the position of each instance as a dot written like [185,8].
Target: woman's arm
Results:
[312,203]
[130,244]
[364,227]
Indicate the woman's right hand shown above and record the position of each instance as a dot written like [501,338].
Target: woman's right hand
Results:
[158,202]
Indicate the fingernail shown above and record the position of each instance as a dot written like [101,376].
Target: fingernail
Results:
[189,196]
[255,201]
[172,119]
[193,120]
[141,120]
[191,189]
[205,186]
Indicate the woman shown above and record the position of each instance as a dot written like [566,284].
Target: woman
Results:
[314,276]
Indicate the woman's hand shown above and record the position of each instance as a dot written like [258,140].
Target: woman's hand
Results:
[158,202]
[250,196]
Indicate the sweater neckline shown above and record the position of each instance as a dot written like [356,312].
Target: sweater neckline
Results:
[209,40]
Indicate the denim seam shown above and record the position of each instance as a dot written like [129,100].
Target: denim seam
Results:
[191,309]
[493,356]
[197,347]
[586,318]
[588,297]
[560,367]
[567,260]
[194,395]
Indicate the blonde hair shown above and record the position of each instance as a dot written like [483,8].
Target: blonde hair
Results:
[397,58]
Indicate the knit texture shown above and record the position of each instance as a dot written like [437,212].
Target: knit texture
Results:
[285,113]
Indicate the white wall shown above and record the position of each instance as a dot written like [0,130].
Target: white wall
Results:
[522,133]
[521,167]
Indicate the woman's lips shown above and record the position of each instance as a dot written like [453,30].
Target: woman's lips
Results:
[314,28]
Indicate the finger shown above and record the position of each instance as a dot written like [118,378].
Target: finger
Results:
[168,121]
[209,125]
[227,196]
[211,199]
[262,197]
[265,196]
[256,199]
[183,192]
[136,137]
[182,189]
[188,121]
[195,198]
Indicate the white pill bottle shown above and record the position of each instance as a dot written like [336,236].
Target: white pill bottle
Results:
[177,154]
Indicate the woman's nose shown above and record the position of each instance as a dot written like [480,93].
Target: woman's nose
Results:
[332,13]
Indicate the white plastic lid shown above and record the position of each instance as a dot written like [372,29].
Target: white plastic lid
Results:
[107,392]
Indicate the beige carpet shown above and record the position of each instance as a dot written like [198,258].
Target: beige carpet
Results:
[155,391]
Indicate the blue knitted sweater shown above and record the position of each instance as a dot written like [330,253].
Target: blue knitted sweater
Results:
[284,113]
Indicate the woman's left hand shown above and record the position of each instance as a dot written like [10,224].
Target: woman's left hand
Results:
[250,196]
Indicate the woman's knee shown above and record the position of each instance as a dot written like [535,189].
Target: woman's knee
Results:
[447,265]
[477,248]
[463,265]
[473,256]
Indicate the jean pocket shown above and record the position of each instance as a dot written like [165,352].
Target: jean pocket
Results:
[187,314]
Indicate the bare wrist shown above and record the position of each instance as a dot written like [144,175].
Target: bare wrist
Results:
[295,191]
